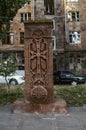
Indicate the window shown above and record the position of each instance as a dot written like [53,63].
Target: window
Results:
[84,64]
[78,60]
[71,60]
[25,17]
[74,37]
[21,37]
[49,7]
[53,24]
[5,55]
[54,42]
[20,58]
[9,39]
[72,0]
[73,16]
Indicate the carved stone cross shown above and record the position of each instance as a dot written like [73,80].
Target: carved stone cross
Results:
[38,62]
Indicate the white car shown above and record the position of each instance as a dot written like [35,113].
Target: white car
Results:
[16,78]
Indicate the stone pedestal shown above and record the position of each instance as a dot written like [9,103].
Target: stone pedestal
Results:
[22,106]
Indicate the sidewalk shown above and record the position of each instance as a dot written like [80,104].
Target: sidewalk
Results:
[75,119]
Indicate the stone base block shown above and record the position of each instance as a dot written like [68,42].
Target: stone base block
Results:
[23,106]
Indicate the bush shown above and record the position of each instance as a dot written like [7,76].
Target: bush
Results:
[73,95]
[7,96]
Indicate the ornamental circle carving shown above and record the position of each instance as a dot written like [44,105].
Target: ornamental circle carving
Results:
[39,94]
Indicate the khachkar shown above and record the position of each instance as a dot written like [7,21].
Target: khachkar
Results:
[38,62]
[39,71]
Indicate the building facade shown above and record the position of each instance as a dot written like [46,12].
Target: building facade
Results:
[68,32]
[14,42]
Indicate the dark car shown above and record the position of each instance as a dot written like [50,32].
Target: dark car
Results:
[67,77]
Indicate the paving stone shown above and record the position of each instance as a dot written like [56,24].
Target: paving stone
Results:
[75,119]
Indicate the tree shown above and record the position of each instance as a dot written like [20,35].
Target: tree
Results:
[7,67]
[8,9]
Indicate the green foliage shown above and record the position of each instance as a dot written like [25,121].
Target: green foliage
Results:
[7,67]
[73,95]
[15,93]
[8,9]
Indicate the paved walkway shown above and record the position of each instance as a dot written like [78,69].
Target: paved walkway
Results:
[75,119]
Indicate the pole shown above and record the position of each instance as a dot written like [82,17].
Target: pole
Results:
[65,20]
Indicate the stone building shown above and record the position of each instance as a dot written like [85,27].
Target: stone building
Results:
[75,31]
[68,32]
[14,42]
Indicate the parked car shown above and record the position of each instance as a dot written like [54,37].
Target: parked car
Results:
[14,78]
[67,77]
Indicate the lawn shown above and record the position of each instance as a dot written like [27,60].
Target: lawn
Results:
[10,95]
[73,95]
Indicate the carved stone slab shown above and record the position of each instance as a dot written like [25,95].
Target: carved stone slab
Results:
[38,62]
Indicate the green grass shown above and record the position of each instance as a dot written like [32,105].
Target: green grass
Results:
[73,95]
[11,94]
